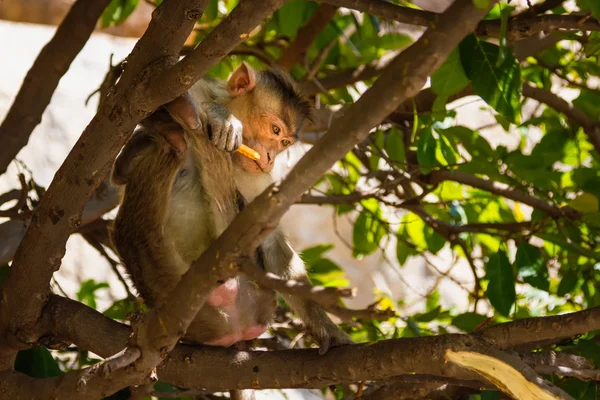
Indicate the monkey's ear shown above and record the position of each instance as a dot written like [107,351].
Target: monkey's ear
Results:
[242,80]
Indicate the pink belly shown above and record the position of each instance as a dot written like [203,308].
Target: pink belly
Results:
[224,295]
[249,333]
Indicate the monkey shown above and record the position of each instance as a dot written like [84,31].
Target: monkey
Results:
[183,185]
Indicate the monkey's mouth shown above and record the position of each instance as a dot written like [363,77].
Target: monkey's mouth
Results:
[258,165]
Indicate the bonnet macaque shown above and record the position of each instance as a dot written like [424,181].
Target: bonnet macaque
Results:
[184,185]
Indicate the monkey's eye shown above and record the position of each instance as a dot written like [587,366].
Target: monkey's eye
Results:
[285,142]
[275,129]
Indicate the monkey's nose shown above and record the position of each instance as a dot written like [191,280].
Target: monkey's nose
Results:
[268,156]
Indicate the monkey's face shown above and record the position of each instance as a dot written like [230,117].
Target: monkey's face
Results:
[271,111]
[269,135]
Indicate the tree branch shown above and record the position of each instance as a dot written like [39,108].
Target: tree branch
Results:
[591,128]
[519,26]
[503,190]
[256,221]
[306,35]
[60,211]
[187,366]
[43,77]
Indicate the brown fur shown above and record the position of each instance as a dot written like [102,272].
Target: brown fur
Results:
[178,199]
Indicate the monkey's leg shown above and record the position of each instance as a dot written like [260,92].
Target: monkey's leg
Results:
[282,260]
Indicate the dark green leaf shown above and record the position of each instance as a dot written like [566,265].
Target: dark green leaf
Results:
[590,5]
[37,363]
[450,78]
[120,309]
[490,395]
[428,316]
[589,103]
[468,321]
[567,284]
[499,86]
[117,11]
[435,241]
[501,286]
[426,145]
[531,266]
[394,146]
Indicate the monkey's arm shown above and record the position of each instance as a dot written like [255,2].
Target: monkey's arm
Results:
[281,259]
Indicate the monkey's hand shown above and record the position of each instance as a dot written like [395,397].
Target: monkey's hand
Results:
[330,335]
[224,130]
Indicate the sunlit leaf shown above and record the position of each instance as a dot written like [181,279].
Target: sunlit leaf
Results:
[312,254]
[450,78]
[585,202]
[498,85]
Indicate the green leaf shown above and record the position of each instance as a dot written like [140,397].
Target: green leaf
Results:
[428,316]
[426,145]
[490,395]
[117,11]
[211,11]
[531,266]
[501,286]
[394,145]
[499,86]
[315,253]
[590,5]
[589,103]
[568,284]
[37,363]
[471,140]
[87,292]
[325,272]
[292,15]
[468,321]
[450,78]
[120,309]
[435,241]
[449,154]
[368,232]
[585,202]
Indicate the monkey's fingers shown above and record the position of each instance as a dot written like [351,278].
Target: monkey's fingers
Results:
[248,152]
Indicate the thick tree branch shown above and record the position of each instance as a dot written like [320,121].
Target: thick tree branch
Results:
[306,35]
[60,211]
[590,127]
[68,320]
[256,221]
[43,77]
[246,16]
[519,26]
